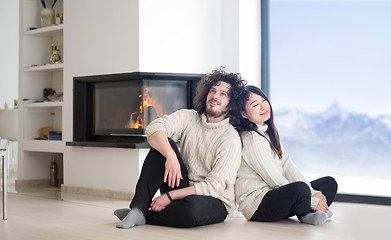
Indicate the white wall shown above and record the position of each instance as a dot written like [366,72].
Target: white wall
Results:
[10,129]
[192,36]
[250,41]
[100,37]
[9,48]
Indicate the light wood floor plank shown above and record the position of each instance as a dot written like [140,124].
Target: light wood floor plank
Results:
[37,218]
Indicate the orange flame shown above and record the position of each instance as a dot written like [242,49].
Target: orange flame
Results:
[146,102]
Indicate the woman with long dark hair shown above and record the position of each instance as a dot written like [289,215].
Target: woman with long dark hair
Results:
[269,187]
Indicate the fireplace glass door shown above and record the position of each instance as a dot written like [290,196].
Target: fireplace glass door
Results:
[121,108]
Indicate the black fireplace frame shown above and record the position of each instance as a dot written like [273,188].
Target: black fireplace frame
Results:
[82,122]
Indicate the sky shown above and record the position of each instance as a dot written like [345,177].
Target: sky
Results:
[323,52]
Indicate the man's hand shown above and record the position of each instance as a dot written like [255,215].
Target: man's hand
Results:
[172,173]
[159,203]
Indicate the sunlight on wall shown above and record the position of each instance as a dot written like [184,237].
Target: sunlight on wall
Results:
[250,41]
[185,37]
[197,36]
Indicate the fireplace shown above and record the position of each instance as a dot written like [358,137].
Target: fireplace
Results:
[113,110]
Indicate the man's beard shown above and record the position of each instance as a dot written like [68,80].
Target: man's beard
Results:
[215,114]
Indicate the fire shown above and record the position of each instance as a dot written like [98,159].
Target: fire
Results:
[144,103]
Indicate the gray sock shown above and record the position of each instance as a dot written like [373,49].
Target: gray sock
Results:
[329,213]
[121,213]
[135,217]
[315,218]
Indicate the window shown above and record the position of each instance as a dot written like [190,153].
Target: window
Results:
[329,87]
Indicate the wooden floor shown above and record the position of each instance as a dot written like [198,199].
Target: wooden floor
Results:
[38,217]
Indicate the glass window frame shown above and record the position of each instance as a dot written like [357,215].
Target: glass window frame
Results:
[265,86]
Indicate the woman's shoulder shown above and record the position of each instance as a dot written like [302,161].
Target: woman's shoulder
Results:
[252,137]
[248,137]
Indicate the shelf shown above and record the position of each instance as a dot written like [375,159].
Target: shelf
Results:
[47,67]
[52,31]
[42,146]
[43,104]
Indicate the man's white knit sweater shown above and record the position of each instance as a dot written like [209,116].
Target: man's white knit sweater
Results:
[210,151]
[262,170]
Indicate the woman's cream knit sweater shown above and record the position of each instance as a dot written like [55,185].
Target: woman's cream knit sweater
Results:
[261,171]
[210,151]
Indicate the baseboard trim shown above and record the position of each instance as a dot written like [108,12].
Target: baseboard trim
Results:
[351,198]
[34,183]
[71,190]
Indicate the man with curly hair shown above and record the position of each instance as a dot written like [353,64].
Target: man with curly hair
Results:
[197,183]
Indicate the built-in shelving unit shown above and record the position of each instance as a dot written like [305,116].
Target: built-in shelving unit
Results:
[36,73]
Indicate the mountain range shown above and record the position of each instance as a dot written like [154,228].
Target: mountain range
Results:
[337,141]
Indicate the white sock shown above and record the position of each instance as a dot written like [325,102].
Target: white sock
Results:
[315,218]
[121,213]
[135,217]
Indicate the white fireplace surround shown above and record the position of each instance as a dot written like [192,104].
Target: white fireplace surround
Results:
[192,36]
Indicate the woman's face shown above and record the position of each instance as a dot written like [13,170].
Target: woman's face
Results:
[257,109]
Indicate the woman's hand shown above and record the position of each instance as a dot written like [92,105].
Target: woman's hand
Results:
[322,205]
[159,203]
[320,196]
[172,174]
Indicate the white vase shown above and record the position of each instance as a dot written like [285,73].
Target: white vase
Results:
[47,17]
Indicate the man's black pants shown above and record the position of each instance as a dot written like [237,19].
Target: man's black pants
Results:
[191,211]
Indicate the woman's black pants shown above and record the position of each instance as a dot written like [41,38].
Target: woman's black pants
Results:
[293,199]
[191,211]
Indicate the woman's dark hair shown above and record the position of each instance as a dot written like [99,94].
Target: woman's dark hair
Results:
[235,92]
[247,125]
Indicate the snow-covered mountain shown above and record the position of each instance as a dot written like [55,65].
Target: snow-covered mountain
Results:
[337,141]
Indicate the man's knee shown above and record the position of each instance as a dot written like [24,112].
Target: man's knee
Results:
[202,210]
[173,145]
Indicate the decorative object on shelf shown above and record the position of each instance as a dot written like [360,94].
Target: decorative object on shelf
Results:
[55,136]
[47,17]
[58,19]
[53,173]
[47,92]
[50,95]
[16,101]
[44,133]
[47,14]
[57,96]
[55,56]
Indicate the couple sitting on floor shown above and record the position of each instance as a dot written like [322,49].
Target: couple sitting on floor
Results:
[217,167]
